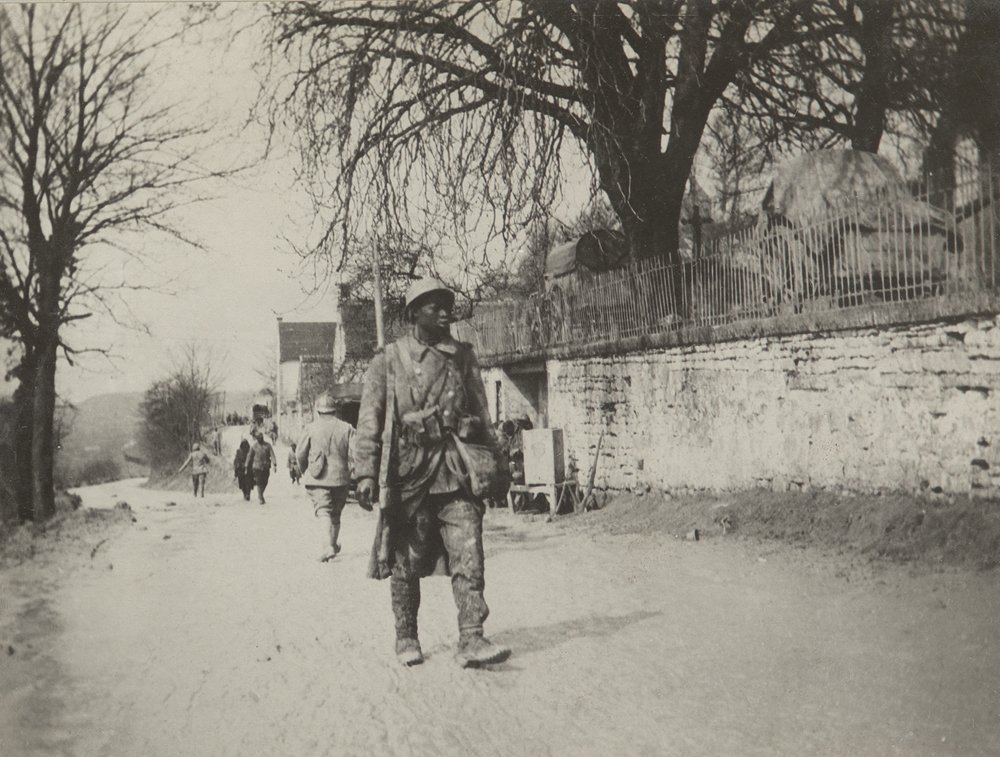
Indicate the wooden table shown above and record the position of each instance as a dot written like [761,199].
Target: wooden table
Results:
[555,493]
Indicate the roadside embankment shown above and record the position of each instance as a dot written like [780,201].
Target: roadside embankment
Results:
[904,528]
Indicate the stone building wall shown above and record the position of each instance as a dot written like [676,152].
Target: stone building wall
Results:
[879,409]
[516,394]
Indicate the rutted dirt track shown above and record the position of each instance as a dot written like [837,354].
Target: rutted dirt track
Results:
[216,633]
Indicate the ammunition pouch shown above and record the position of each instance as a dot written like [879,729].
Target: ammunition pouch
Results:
[422,428]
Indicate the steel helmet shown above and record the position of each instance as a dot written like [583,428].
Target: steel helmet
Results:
[325,404]
[425,286]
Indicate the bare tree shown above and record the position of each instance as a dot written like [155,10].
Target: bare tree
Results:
[737,153]
[90,156]
[866,70]
[265,367]
[175,409]
[452,123]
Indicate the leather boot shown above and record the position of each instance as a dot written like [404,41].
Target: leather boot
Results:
[405,606]
[475,651]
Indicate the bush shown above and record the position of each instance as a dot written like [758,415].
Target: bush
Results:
[174,410]
[99,472]
[67,502]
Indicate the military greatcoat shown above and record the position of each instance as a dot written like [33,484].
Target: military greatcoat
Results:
[444,376]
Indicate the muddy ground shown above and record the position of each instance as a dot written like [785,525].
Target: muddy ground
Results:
[798,623]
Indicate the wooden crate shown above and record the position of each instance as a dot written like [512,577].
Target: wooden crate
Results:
[543,456]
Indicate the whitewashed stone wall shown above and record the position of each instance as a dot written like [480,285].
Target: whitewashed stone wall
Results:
[896,408]
[512,395]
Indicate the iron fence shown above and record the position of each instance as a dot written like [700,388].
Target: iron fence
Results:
[873,255]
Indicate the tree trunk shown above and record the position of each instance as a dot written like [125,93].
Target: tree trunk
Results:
[42,453]
[971,108]
[44,405]
[873,93]
[24,398]
[939,161]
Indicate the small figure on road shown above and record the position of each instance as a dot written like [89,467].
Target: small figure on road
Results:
[260,462]
[200,462]
[217,441]
[273,433]
[294,471]
[323,456]
[243,477]
[424,435]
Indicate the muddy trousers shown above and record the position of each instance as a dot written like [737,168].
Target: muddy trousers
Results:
[457,525]
[328,504]
[198,479]
[261,477]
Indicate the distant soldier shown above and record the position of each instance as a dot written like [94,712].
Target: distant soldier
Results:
[424,408]
[243,477]
[260,462]
[200,463]
[294,472]
[324,458]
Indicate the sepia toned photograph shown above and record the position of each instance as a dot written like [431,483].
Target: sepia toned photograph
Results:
[501,378]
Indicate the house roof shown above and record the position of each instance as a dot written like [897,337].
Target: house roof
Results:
[297,340]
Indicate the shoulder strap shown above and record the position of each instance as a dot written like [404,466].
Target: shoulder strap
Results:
[406,360]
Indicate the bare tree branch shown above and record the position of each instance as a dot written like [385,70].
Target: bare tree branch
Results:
[92,155]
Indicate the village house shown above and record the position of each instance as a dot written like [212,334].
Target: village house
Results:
[322,356]
[305,368]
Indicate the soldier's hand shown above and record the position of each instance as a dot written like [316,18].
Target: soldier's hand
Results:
[366,493]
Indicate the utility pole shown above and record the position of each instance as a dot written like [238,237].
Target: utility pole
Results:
[379,322]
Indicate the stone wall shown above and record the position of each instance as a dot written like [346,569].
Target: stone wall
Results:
[879,409]
[513,394]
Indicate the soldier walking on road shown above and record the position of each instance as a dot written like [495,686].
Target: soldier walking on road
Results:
[244,478]
[294,469]
[260,462]
[424,408]
[323,457]
[200,463]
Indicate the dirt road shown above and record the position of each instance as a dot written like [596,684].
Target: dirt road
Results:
[210,629]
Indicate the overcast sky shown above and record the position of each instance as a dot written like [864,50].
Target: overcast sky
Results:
[228,295]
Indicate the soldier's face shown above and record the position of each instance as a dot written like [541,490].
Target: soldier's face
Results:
[433,314]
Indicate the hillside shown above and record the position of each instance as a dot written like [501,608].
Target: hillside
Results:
[103,438]
[99,431]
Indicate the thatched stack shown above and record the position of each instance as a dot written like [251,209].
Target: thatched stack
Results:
[863,220]
[818,184]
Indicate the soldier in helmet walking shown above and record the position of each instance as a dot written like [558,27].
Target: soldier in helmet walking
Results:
[423,406]
[322,455]
[260,462]
[200,462]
